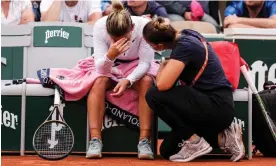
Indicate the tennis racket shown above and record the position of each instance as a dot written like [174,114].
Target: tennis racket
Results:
[54,139]
[269,121]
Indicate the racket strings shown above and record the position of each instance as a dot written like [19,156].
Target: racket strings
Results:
[53,140]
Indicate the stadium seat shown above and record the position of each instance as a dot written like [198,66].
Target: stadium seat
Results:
[201,27]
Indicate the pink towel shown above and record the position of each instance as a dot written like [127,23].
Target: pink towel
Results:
[77,82]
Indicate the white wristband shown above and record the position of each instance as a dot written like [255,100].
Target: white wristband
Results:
[107,59]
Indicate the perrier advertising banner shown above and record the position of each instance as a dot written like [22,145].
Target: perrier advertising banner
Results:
[57,36]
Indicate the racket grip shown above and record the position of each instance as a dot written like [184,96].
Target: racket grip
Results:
[57,97]
[246,75]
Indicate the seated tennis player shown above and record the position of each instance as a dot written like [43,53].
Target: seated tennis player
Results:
[118,37]
[200,112]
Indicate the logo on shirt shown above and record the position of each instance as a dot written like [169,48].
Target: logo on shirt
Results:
[56,33]
[78,19]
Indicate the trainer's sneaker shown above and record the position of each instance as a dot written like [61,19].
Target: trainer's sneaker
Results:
[144,150]
[94,148]
[190,151]
[233,142]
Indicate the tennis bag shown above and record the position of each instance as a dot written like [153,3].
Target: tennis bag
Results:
[229,56]
[262,136]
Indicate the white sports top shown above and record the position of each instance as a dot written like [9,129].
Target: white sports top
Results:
[78,13]
[139,49]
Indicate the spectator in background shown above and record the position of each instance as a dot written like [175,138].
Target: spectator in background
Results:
[180,11]
[106,7]
[71,11]
[138,8]
[146,8]
[16,12]
[36,10]
[250,14]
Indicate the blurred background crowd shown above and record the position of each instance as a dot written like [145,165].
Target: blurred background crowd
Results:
[220,14]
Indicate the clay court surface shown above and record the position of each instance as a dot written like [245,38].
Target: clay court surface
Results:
[79,160]
[130,160]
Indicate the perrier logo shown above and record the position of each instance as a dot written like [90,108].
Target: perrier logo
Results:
[56,33]
[57,36]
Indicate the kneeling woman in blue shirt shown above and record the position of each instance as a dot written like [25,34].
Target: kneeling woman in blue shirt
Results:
[201,112]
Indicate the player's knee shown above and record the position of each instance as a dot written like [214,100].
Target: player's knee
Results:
[100,84]
[146,81]
[101,81]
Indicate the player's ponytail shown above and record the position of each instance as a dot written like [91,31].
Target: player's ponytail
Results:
[118,22]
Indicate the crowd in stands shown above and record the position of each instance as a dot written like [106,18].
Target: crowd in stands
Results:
[243,13]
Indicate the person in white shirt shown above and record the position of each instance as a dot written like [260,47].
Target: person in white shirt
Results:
[71,11]
[16,12]
[118,36]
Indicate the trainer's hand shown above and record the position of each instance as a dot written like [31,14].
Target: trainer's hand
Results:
[118,48]
[120,88]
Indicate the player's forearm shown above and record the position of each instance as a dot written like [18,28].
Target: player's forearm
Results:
[103,65]
[162,65]
[139,72]
[258,22]
[27,16]
[53,13]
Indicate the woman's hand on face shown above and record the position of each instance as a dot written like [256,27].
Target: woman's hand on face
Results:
[118,48]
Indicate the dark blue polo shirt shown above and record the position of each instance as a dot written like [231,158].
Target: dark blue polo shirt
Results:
[190,50]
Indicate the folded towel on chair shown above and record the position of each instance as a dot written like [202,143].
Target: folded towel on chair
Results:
[77,82]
